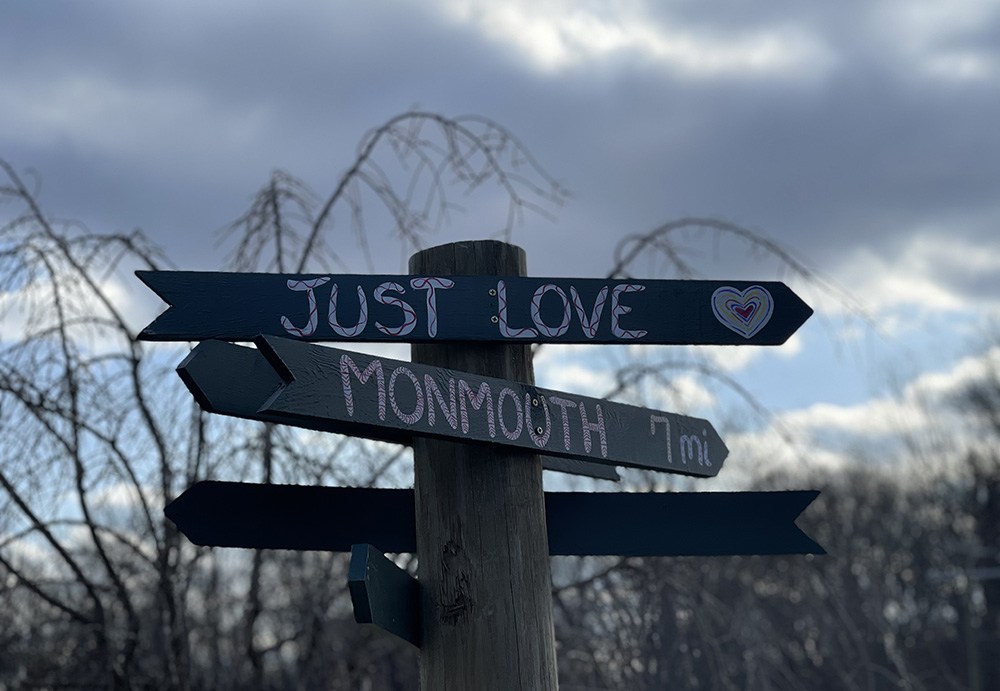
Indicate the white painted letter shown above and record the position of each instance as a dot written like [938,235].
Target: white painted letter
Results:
[536,310]
[409,316]
[505,329]
[331,317]
[429,284]
[589,325]
[617,310]
[653,419]
[310,288]
[347,366]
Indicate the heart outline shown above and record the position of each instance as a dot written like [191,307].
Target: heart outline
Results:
[744,311]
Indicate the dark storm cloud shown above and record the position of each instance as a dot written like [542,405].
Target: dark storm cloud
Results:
[837,127]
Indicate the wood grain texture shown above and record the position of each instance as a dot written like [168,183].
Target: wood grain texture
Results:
[483,551]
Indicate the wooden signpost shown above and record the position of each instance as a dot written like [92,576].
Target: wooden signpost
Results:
[439,308]
[334,390]
[477,517]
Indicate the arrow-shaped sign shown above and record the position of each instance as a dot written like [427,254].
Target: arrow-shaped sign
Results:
[323,307]
[235,380]
[229,514]
[353,393]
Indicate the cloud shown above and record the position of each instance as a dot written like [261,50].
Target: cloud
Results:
[555,36]
[885,430]
[945,41]
[932,272]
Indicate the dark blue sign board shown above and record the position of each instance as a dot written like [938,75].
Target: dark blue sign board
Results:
[336,390]
[230,514]
[235,380]
[325,307]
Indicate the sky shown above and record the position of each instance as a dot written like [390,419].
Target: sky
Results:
[861,137]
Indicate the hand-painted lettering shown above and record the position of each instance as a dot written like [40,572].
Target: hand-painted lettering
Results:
[347,367]
[409,316]
[563,404]
[310,288]
[430,284]
[512,435]
[589,325]
[451,411]
[690,443]
[598,427]
[418,407]
[536,311]
[617,310]
[331,317]
[653,419]
[477,400]
[505,330]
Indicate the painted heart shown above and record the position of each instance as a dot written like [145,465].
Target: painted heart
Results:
[744,311]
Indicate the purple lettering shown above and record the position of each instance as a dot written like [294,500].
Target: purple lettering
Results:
[477,400]
[563,405]
[451,412]
[347,367]
[418,408]
[517,406]
[589,427]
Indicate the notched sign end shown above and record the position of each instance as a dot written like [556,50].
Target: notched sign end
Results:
[151,332]
[804,499]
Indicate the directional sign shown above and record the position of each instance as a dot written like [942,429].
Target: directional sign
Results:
[235,380]
[229,514]
[324,307]
[383,594]
[335,390]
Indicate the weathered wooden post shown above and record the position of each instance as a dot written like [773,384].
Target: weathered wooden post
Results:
[486,603]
